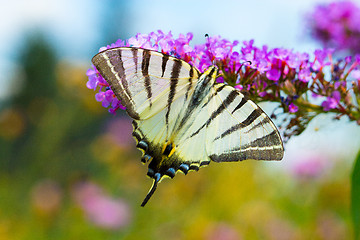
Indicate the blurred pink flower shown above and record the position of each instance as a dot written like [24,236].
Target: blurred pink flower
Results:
[100,209]
[120,131]
[331,227]
[310,166]
[280,229]
[222,231]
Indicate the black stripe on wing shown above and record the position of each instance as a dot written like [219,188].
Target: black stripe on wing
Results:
[255,154]
[165,59]
[268,147]
[242,103]
[228,100]
[191,75]
[118,65]
[145,71]
[200,93]
[217,90]
[135,58]
[174,79]
[269,140]
[250,119]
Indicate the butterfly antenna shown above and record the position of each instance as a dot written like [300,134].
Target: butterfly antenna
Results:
[212,57]
[152,190]
[242,64]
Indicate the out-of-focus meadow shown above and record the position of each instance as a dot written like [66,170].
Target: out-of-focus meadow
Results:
[70,170]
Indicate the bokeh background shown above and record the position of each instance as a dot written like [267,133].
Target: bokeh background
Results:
[70,170]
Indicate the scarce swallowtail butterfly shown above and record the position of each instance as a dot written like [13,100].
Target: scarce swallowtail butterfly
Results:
[182,118]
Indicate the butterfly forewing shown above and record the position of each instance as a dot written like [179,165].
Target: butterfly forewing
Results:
[145,81]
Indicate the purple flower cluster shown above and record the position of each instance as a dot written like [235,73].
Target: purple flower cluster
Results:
[278,75]
[105,94]
[337,25]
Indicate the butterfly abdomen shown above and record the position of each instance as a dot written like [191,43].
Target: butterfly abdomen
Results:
[163,158]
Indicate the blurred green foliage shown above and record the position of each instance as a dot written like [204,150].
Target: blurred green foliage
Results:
[45,127]
[53,135]
[355,197]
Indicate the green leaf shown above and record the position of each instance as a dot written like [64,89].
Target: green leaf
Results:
[355,197]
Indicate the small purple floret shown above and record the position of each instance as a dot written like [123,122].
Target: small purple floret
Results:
[332,101]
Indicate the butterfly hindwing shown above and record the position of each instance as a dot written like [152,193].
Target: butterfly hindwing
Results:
[242,131]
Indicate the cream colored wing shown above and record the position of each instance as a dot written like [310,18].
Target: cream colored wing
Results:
[238,129]
[145,81]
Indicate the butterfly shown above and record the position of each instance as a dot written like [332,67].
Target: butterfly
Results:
[182,118]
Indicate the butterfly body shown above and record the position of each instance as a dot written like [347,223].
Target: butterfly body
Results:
[182,118]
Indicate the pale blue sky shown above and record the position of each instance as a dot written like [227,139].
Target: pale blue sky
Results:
[76,27]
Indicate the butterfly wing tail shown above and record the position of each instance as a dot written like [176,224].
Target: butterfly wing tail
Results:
[157,178]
